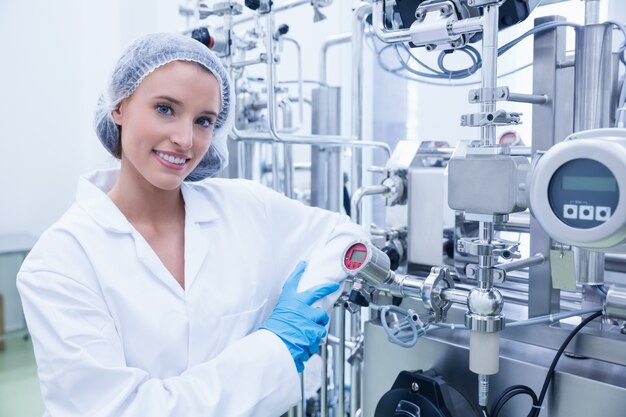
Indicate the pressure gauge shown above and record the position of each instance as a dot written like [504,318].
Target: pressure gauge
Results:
[578,190]
[365,260]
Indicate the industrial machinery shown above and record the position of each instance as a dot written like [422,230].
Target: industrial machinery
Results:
[509,261]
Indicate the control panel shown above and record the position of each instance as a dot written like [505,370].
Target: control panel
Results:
[578,190]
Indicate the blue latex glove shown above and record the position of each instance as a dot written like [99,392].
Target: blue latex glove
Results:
[298,324]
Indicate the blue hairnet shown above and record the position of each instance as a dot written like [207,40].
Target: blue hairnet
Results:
[140,59]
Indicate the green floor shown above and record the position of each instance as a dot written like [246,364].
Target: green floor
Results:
[19,388]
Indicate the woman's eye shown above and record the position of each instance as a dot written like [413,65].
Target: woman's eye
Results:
[164,109]
[205,122]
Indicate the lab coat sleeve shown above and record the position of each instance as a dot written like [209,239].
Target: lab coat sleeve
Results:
[300,232]
[82,368]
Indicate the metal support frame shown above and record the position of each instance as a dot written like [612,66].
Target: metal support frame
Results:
[552,122]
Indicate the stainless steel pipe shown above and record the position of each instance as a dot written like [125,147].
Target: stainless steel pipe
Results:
[328,43]
[357,197]
[534,260]
[361,11]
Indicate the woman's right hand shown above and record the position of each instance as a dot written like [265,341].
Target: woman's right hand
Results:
[299,325]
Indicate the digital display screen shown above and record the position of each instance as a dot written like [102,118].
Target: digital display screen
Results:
[606,184]
[358,256]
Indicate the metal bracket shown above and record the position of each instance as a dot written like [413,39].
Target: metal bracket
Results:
[220,9]
[438,279]
[487,94]
[396,183]
[430,28]
[497,118]
[482,3]
[504,94]
[474,246]
[498,276]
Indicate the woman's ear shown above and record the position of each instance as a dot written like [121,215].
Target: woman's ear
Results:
[117,113]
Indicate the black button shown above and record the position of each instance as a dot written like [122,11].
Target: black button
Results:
[570,211]
[602,213]
[586,212]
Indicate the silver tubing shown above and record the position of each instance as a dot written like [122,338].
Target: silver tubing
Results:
[528,98]
[355,201]
[273,135]
[276,168]
[489,68]
[615,305]
[483,390]
[285,107]
[466,26]
[325,140]
[358,34]
[288,170]
[489,79]
[592,12]
[301,407]
[246,63]
[589,267]
[335,341]
[454,295]
[595,79]
[324,387]
[340,369]
[300,83]
[356,367]
[534,260]
[388,36]
[328,43]
[277,8]
[287,184]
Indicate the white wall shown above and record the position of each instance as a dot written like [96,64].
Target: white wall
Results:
[52,70]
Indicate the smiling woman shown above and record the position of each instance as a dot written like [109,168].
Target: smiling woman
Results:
[169,119]
[160,291]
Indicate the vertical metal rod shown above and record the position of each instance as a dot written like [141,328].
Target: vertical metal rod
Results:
[301,407]
[324,388]
[489,68]
[552,122]
[592,12]
[287,154]
[288,170]
[483,390]
[341,364]
[595,83]
[595,78]
[330,41]
[489,81]
[358,34]
[355,369]
[300,86]
[276,167]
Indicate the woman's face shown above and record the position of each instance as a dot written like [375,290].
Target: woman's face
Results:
[167,123]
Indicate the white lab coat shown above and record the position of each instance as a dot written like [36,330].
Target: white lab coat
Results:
[116,336]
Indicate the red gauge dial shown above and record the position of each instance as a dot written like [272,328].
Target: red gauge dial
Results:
[355,256]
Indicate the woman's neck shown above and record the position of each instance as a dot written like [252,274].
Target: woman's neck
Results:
[142,202]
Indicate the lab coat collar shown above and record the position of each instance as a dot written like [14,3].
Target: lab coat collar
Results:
[92,197]
[198,207]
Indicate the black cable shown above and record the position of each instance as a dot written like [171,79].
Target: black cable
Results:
[509,393]
[577,329]
[524,390]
